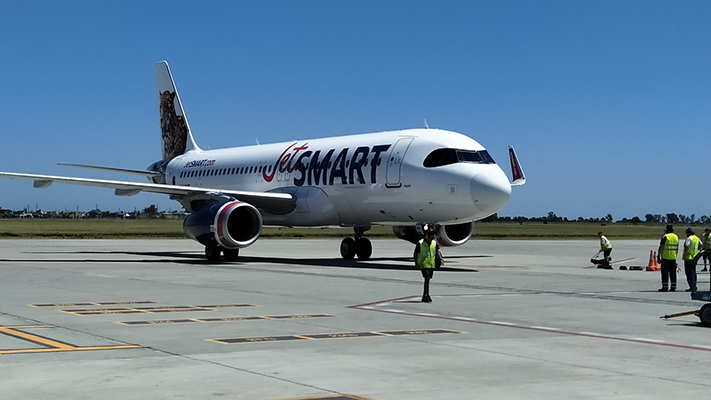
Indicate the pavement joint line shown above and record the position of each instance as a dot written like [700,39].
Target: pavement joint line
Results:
[540,329]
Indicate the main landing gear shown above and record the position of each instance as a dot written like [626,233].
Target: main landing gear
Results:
[359,246]
[212,253]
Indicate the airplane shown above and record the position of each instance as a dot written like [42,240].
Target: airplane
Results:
[405,179]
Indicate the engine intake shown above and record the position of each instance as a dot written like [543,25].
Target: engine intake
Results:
[230,225]
[447,235]
[455,235]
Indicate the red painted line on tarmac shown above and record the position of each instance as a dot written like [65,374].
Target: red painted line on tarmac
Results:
[530,328]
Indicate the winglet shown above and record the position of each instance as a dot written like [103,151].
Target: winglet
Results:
[519,178]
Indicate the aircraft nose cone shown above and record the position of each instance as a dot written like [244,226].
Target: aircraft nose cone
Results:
[490,191]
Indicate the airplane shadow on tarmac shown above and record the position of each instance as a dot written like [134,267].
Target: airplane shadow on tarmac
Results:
[195,258]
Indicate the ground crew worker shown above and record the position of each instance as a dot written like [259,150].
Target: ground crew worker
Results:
[666,256]
[691,249]
[426,257]
[706,246]
[606,249]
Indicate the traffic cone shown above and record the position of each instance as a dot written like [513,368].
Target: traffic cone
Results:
[652,265]
[656,265]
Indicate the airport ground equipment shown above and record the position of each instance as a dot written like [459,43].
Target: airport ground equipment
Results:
[704,313]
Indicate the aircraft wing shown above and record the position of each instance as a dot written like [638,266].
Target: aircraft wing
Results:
[122,170]
[278,203]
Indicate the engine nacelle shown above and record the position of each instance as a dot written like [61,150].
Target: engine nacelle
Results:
[454,235]
[230,225]
[447,235]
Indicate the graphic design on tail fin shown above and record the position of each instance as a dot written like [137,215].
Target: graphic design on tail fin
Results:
[175,131]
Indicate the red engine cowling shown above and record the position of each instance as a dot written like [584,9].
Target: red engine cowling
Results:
[230,225]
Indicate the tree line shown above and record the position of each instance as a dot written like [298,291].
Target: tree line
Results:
[670,218]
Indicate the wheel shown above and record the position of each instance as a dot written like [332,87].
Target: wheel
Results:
[348,248]
[212,253]
[364,249]
[231,255]
[705,315]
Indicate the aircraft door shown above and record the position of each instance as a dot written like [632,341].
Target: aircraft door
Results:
[397,154]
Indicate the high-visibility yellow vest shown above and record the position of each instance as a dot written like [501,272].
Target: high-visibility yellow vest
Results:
[692,250]
[706,239]
[605,243]
[671,247]
[426,256]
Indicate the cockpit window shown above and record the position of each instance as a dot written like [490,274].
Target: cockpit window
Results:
[442,157]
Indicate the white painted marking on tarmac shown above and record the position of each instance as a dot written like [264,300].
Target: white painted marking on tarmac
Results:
[591,333]
[392,310]
[464,318]
[701,346]
[502,323]
[547,328]
[368,307]
[427,314]
[649,340]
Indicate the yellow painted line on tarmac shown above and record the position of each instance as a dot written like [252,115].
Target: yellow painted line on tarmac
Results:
[50,345]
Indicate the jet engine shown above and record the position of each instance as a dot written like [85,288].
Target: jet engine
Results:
[454,235]
[447,235]
[229,225]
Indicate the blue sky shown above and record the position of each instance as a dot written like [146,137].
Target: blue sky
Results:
[608,103]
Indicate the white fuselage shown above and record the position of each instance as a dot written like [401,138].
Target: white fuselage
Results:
[376,178]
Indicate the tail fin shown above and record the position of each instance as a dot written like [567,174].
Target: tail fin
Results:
[175,131]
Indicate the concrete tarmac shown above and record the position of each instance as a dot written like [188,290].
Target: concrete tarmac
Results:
[151,319]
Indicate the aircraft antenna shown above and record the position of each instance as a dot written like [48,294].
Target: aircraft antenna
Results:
[427,126]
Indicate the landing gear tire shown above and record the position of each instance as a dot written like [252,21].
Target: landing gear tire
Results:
[348,248]
[212,253]
[705,315]
[231,254]
[364,249]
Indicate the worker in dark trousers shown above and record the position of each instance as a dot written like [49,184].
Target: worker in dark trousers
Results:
[606,249]
[706,246]
[427,256]
[666,257]
[692,244]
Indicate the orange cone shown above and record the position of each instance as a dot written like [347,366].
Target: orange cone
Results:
[652,265]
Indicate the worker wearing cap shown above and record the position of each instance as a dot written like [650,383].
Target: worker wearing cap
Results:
[606,249]
[706,246]
[426,257]
[692,244]
[666,256]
